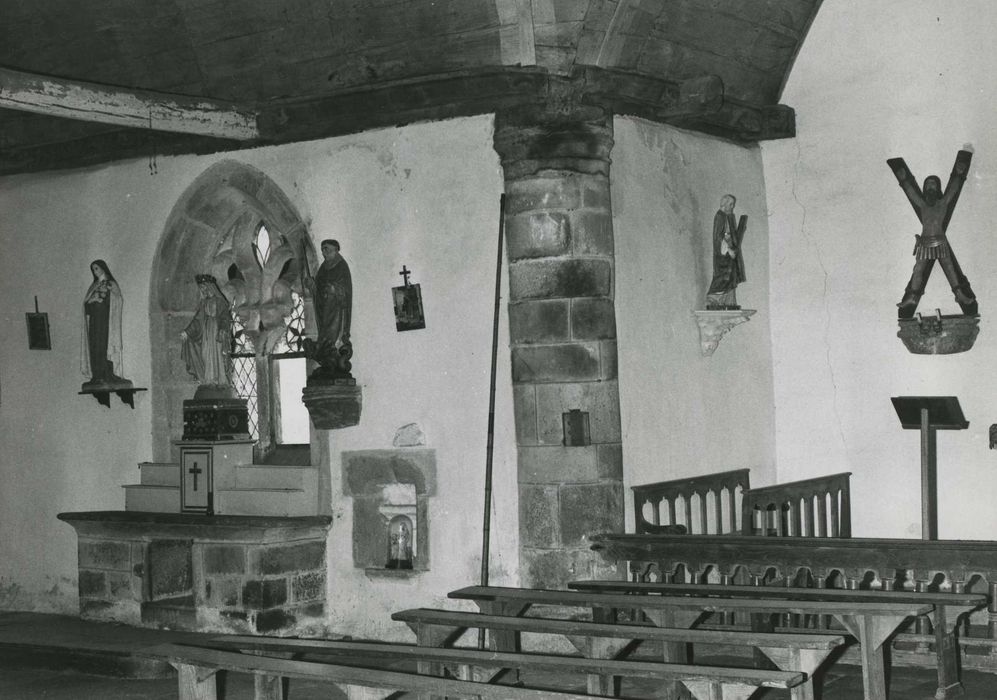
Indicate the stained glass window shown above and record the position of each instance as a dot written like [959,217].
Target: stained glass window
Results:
[290,344]
[244,378]
[245,381]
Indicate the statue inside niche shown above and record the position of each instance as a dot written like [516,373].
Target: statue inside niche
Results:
[728,263]
[332,291]
[207,340]
[934,209]
[101,353]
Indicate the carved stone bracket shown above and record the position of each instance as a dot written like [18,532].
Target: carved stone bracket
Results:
[333,404]
[713,325]
[938,334]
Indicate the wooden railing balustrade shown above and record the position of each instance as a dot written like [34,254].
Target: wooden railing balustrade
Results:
[724,503]
[958,566]
[817,507]
[705,504]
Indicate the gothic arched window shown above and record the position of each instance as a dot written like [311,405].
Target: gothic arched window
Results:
[236,224]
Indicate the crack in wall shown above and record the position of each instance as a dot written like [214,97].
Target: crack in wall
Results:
[826,305]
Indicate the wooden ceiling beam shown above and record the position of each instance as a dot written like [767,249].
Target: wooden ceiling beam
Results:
[138,109]
[699,104]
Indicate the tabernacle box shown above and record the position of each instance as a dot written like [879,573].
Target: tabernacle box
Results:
[215,419]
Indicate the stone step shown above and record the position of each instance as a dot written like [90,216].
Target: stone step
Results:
[152,499]
[159,473]
[273,502]
[263,476]
[227,476]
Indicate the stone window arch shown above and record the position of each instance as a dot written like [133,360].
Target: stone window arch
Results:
[215,228]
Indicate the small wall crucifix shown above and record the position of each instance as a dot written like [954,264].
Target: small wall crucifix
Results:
[407,299]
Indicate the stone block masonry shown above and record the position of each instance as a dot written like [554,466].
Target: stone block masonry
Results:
[562,328]
[243,575]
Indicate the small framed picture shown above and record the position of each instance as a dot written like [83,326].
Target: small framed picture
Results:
[38,335]
[408,308]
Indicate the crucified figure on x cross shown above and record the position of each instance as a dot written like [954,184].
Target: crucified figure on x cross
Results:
[934,209]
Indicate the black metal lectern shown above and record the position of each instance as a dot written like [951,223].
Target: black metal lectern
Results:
[928,414]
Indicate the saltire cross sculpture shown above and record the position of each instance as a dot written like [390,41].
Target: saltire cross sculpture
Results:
[934,210]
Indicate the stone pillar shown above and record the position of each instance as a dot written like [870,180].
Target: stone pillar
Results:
[562,325]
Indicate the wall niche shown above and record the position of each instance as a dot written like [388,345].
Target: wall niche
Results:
[390,490]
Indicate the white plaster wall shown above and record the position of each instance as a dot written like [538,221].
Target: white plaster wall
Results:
[427,197]
[874,80]
[684,414]
[424,196]
[60,451]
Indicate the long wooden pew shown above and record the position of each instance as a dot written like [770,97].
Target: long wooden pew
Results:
[790,652]
[704,682]
[871,622]
[197,668]
[946,608]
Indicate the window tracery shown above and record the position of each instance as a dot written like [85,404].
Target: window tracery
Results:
[269,320]
[234,223]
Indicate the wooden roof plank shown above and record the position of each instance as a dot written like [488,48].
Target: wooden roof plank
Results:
[133,108]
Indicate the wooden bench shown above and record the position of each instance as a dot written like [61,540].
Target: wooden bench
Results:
[197,668]
[790,652]
[871,622]
[946,608]
[706,683]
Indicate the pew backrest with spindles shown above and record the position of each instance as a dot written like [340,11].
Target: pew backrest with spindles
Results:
[817,507]
[704,504]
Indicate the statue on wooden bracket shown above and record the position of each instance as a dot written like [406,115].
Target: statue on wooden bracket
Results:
[101,355]
[728,263]
[101,348]
[332,290]
[722,311]
[934,210]
[331,394]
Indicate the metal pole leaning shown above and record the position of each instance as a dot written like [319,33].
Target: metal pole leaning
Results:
[490,449]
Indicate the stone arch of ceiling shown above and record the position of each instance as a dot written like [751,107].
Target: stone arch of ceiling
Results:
[224,203]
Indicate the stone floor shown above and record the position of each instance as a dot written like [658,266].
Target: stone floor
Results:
[53,657]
